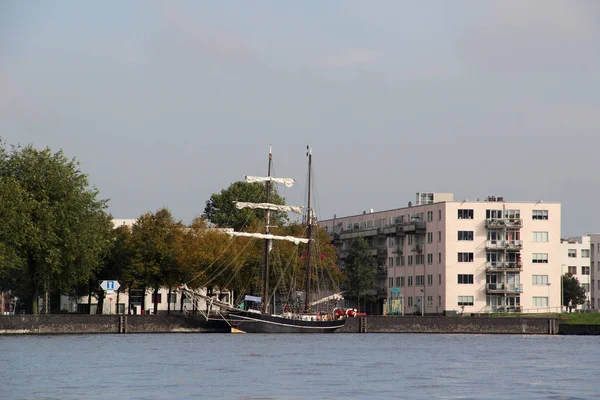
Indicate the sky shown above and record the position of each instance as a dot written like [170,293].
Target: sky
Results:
[165,103]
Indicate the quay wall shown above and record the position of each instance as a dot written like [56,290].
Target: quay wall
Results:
[78,323]
[163,323]
[440,324]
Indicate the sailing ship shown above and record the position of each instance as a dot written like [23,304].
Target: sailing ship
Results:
[263,320]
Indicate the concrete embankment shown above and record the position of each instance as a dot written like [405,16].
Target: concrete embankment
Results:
[440,324]
[77,323]
[163,323]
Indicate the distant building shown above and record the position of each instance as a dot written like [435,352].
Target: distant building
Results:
[595,269]
[462,256]
[576,260]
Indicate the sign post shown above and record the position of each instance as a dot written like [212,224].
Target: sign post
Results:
[110,286]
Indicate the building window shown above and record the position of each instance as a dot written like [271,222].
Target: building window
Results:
[419,280]
[410,260]
[390,261]
[585,253]
[539,258]
[465,300]
[512,214]
[585,270]
[429,216]
[410,303]
[157,298]
[439,300]
[539,280]
[465,279]
[172,298]
[429,280]
[465,235]
[465,257]
[429,258]
[439,236]
[439,279]
[439,215]
[410,281]
[586,287]
[397,281]
[391,241]
[429,301]
[540,301]
[401,281]
[440,259]
[429,237]
[401,260]
[390,282]
[539,214]
[572,253]
[420,259]
[465,214]
[398,261]
[539,237]
[410,239]
[573,270]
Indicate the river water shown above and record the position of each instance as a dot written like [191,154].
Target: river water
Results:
[328,366]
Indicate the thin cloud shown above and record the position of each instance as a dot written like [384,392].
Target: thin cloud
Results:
[16,105]
[533,36]
[194,38]
[348,58]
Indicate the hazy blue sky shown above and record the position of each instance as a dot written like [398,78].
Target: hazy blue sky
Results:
[165,103]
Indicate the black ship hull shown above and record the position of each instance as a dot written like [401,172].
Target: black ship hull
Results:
[250,322]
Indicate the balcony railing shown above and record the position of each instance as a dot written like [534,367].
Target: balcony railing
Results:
[504,288]
[414,227]
[504,244]
[501,223]
[357,233]
[504,266]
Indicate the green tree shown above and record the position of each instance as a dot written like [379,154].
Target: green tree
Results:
[156,248]
[220,208]
[572,290]
[359,269]
[64,228]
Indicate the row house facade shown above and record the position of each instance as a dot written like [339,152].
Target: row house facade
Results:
[447,256]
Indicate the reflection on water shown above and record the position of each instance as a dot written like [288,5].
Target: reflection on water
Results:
[349,366]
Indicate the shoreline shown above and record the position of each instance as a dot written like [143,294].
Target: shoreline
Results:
[181,323]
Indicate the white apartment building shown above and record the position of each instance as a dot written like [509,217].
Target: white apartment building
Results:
[576,260]
[463,256]
[595,269]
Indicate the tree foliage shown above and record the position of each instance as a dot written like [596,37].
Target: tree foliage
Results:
[156,247]
[572,290]
[220,208]
[359,269]
[59,230]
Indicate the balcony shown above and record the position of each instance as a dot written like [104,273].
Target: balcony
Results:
[382,253]
[501,223]
[358,233]
[513,245]
[386,230]
[504,266]
[414,227]
[503,288]
[336,238]
[381,271]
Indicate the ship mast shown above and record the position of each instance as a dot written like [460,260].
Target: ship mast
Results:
[268,241]
[309,233]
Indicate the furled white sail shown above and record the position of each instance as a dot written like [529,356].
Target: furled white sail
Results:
[269,206]
[335,296]
[288,182]
[292,239]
